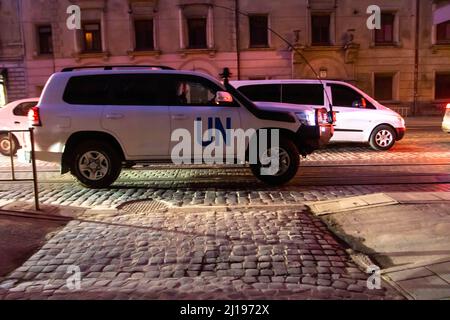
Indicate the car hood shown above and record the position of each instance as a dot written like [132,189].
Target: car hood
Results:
[283,107]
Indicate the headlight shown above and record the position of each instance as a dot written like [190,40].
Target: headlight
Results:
[307,117]
[402,121]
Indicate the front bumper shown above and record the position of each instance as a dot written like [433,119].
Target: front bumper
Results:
[400,133]
[311,138]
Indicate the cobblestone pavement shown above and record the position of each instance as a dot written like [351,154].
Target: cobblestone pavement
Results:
[212,255]
[234,248]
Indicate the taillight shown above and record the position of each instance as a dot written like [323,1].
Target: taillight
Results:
[33,117]
[321,116]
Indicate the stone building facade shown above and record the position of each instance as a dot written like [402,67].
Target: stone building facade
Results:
[405,64]
[12,65]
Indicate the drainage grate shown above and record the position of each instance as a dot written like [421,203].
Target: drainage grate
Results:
[142,206]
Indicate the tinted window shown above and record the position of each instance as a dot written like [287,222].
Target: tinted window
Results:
[344,96]
[309,94]
[88,90]
[23,108]
[120,89]
[139,90]
[264,92]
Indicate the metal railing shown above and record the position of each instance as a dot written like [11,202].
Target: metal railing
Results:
[33,163]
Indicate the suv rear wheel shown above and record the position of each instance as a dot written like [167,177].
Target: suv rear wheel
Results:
[96,165]
[289,160]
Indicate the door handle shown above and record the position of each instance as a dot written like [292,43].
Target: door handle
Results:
[16,122]
[114,116]
[179,117]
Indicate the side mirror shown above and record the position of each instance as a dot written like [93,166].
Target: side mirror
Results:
[223,98]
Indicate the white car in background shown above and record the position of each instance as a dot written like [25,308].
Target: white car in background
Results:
[446,121]
[14,116]
[359,117]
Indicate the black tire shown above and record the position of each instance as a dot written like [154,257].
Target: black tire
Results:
[5,145]
[383,138]
[291,151]
[102,154]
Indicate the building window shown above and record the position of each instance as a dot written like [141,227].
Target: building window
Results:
[443,33]
[259,33]
[442,85]
[321,31]
[144,34]
[92,38]
[45,40]
[383,87]
[385,35]
[197,33]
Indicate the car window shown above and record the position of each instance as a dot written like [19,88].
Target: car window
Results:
[344,96]
[262,92]
[193,91]
[307,94]
[88,90]
[118,89]
[139,90]
[23,108]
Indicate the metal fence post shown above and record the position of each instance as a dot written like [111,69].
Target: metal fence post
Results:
[33,164]
[11,155]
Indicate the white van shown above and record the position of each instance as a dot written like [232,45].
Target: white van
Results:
[359,118]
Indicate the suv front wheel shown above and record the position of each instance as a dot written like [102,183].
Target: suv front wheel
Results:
[289,160]
[96,165]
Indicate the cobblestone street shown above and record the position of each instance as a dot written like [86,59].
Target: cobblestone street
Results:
[216,233]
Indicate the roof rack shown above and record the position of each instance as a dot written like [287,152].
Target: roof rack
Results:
[110,67]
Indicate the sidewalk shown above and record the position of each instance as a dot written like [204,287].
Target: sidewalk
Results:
[417,123]
[405,234]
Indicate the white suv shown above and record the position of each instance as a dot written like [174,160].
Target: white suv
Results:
[96,122]
[359,118]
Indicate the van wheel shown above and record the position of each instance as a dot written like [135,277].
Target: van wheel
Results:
[96,165]
[6,146]
[382,138]
[289,160]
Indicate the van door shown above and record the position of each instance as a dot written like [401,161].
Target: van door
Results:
[353,114]
[194,111]
[138,115]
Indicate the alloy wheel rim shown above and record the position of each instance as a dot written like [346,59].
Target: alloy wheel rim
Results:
[93,165]
[284,161]
[384,138]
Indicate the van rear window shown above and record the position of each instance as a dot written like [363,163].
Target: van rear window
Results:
[262,92]
[305,94]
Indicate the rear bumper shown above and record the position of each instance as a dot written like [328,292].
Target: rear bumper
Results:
[311,138]
[400,133]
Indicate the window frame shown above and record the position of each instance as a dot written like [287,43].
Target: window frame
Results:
[437,74]
[330,38]
[40,42]
[384,75]
[137,47]
[251,34]
[445,41]
[99,39]
[189,20]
